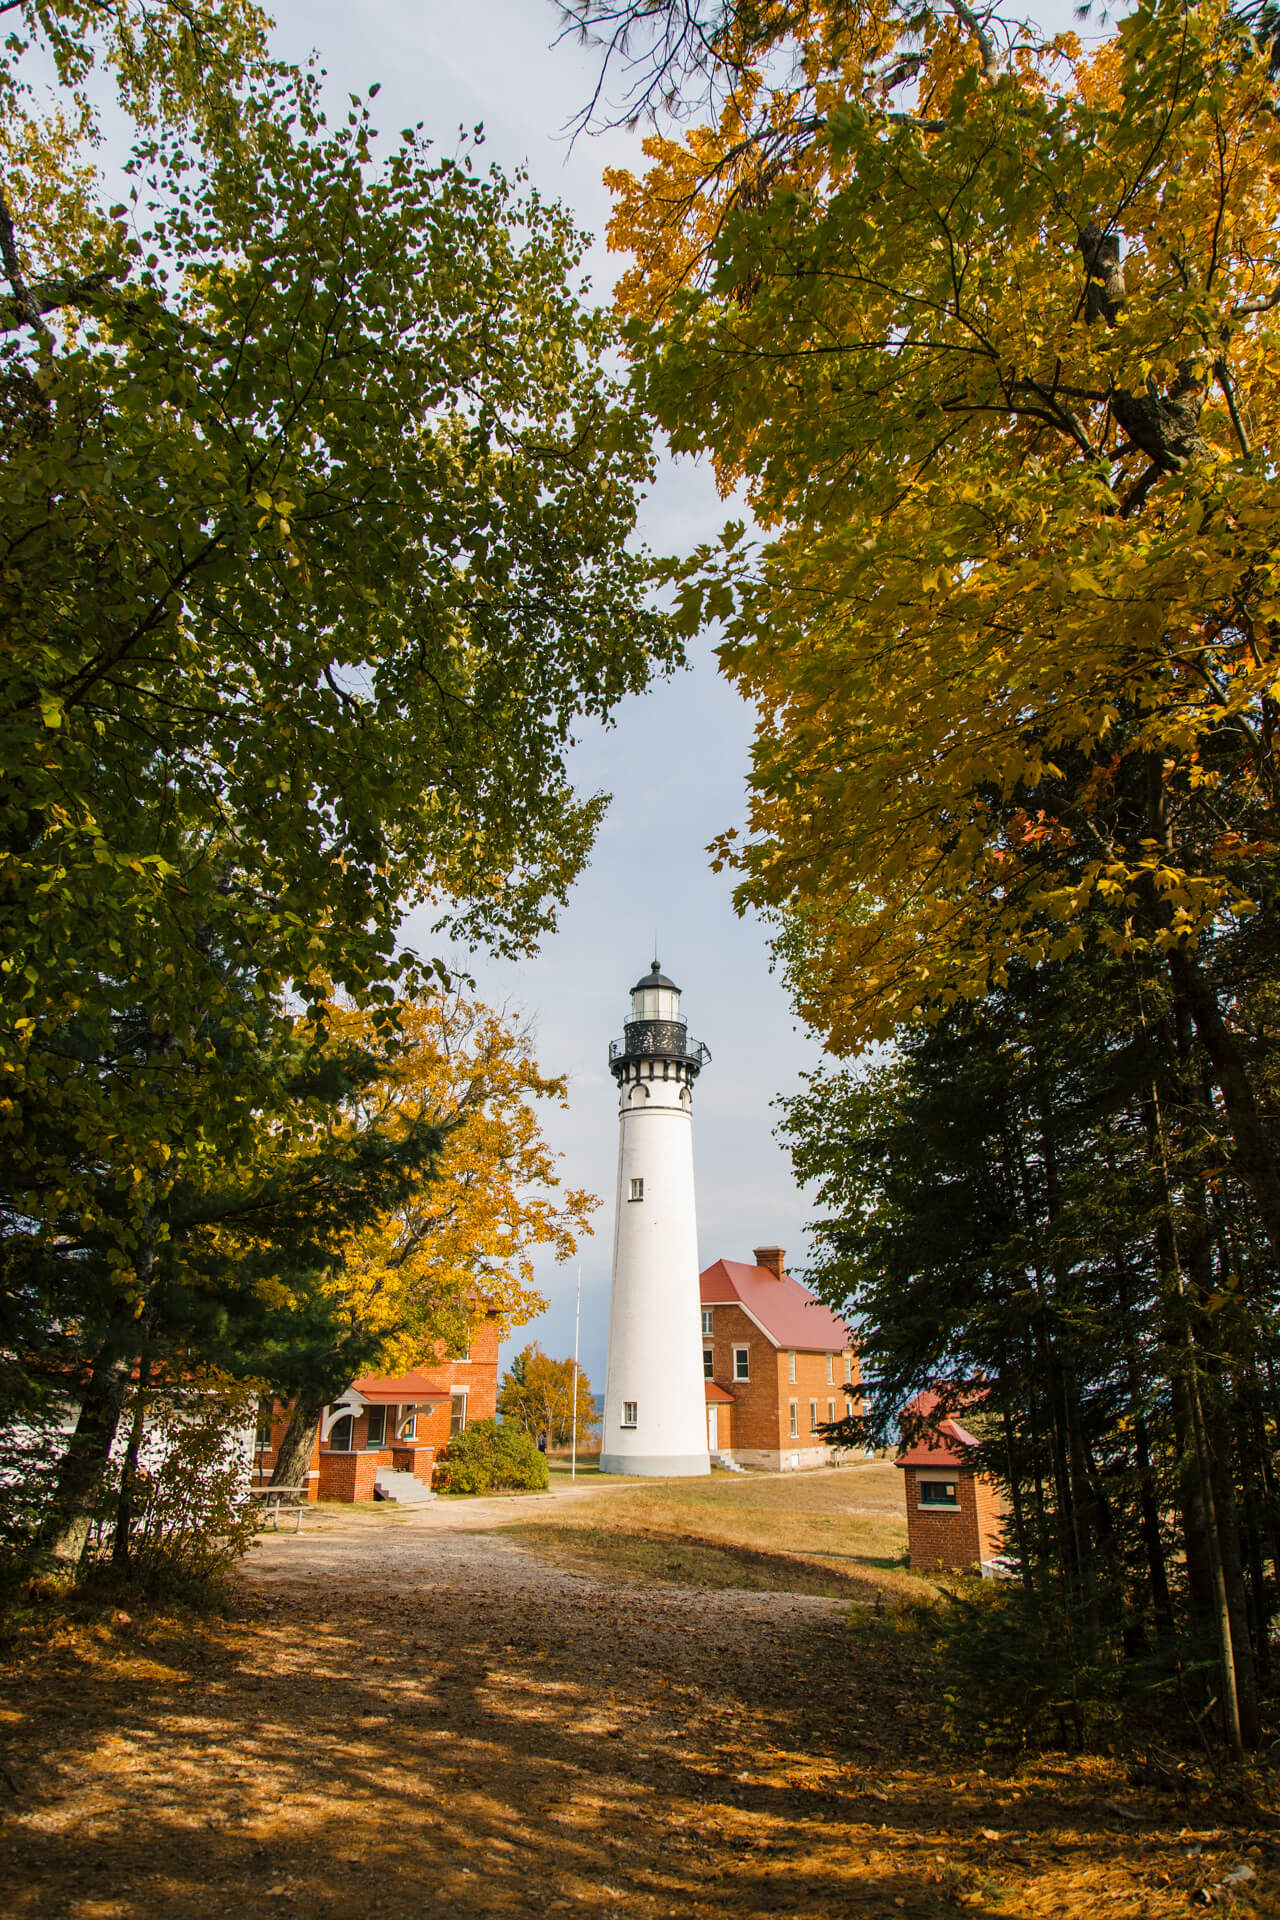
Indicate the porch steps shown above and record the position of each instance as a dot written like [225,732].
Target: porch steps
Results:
[404,1488]
[725,1464]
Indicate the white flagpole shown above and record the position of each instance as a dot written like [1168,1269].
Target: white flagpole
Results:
[577,1321]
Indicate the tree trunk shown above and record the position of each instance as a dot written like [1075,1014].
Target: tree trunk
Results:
[1254,1157]
[129,1470]
[64,1534]
[294,1458]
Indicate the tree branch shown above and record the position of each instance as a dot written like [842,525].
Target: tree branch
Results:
[985,44]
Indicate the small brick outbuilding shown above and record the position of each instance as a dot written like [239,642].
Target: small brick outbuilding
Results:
[953,1510]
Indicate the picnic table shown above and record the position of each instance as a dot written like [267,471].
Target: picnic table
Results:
[273,1501]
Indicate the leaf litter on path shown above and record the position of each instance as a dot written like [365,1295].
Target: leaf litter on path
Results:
[440,1722]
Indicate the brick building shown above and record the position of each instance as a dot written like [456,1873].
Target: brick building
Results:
[386,1432]
[954,1512]
[777,1365]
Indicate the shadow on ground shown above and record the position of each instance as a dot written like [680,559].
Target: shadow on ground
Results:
[452,1743]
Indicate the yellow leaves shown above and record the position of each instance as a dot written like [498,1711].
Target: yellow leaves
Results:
[461,1246]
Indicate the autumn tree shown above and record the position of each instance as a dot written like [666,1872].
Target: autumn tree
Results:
[986,326]
[314,550]
[537,1394]
[459,1245]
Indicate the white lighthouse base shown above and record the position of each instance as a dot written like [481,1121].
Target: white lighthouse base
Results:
[671,1466]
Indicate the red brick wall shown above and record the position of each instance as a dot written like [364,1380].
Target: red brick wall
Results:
[347,1476]
[942,1539]
[761,1405]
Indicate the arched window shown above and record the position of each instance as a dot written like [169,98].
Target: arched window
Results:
[342,1434]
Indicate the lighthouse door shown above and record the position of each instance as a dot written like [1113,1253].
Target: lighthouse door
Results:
[713,1428]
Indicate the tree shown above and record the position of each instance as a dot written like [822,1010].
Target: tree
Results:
[1034,1194]
[458,1243]
[230,1269]
[986,325]
[314,549]
[315,517]
[537,1395]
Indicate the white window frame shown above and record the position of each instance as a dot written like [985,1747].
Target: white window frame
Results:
[813,1416]
[941,1506]
[831,1369]
[793,1407]
[637,1189]
[407,1429]
[708,1363]
[708,1322]
[456,1395]
[629,1410]
[349,1420]
[831,1412]
[791,1369]
[742,1363]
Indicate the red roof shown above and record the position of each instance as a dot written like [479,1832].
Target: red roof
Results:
[944,1443]
[717,1393]
[784,1310]
[400,1389]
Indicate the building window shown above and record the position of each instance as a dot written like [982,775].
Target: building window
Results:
[848,1369]
[457,1413]
[637,1189]
[628,1413]
[831,1410]
[341,1434]
[831,1369]
[708,1363]
[409,1431]
[706,1320]
[791,1368]
[377,1427]
[265,1410]
[939,1493]
[742,1363]
[813,1416]
[794,1406]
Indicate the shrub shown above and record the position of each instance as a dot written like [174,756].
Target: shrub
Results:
[486,1458]
[193,1517]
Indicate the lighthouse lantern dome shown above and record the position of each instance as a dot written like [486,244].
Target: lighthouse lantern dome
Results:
[655,997]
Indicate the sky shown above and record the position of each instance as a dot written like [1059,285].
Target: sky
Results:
[676,759]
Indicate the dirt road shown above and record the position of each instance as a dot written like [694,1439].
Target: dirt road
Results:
[412,1720]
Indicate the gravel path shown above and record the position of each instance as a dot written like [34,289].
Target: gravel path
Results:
[411,1719]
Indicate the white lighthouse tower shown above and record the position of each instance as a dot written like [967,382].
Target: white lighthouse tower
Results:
[655,1418]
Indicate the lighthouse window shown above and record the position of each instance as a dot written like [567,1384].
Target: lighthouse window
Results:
[637,1189]
[628,1413]
[742,1363]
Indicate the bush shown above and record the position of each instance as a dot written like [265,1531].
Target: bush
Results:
[194,1518]
[487,1458]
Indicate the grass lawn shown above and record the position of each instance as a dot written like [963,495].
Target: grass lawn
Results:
[840,1531]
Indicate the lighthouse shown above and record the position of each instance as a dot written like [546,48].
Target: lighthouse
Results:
[655,1417]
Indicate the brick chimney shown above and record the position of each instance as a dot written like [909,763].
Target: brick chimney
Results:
[771,1259]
